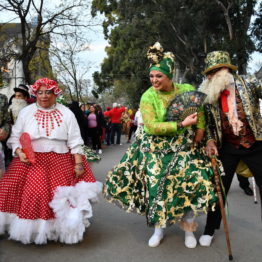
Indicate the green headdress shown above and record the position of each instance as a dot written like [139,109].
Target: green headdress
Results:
[160,61]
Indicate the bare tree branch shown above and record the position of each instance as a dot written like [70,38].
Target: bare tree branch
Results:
[227,17]
[50,21]
[68,65]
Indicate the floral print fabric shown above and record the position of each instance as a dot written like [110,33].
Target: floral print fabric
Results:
[162,177]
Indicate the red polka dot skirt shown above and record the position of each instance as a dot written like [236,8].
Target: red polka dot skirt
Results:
[27,190]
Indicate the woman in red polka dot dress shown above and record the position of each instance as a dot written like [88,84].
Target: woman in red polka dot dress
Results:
[46,194]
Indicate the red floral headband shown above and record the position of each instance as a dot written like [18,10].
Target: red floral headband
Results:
[48,83]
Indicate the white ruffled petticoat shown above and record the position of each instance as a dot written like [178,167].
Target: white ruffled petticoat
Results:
[72,208]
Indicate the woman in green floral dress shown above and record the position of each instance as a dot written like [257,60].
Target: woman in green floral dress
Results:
[163,175]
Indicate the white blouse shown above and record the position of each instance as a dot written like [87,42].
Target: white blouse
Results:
[50,130]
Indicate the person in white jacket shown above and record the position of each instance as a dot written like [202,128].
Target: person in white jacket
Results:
[45,194]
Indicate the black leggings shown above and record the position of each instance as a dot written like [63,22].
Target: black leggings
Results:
[230,157]
[95,137]
[131,131]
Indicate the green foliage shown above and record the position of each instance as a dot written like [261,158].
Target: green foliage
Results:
[62,100]
[190,29]
[257,29]
[94,93]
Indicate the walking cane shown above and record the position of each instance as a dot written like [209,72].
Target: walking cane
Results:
[254,189]
[221,204]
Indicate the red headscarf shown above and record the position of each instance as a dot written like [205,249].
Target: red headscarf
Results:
[48,83]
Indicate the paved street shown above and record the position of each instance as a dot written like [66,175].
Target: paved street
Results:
[117,236]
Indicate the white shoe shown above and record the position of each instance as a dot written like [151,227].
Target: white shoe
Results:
[155,240]
[100,151]
[190,240]
[205,240]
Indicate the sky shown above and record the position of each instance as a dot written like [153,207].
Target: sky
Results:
[255,63]
[97,53]
[98,43]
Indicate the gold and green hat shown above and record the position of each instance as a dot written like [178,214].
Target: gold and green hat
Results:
[217,59]
[160,61]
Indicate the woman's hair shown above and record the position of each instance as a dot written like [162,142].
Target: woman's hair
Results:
[74,107]
[99,108]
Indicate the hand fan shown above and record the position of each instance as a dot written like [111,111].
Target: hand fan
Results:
[25,142]
[184,105]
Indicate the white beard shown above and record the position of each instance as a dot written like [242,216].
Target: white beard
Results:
[16,106]
[213,87]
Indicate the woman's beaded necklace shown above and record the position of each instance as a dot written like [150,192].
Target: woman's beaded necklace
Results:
[47,119]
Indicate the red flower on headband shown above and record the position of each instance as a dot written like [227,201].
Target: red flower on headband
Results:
[48,83]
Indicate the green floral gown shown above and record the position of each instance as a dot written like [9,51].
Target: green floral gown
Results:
[90,155]
[162,176]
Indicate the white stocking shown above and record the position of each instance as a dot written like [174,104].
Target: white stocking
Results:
[156,238]
[190,240]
